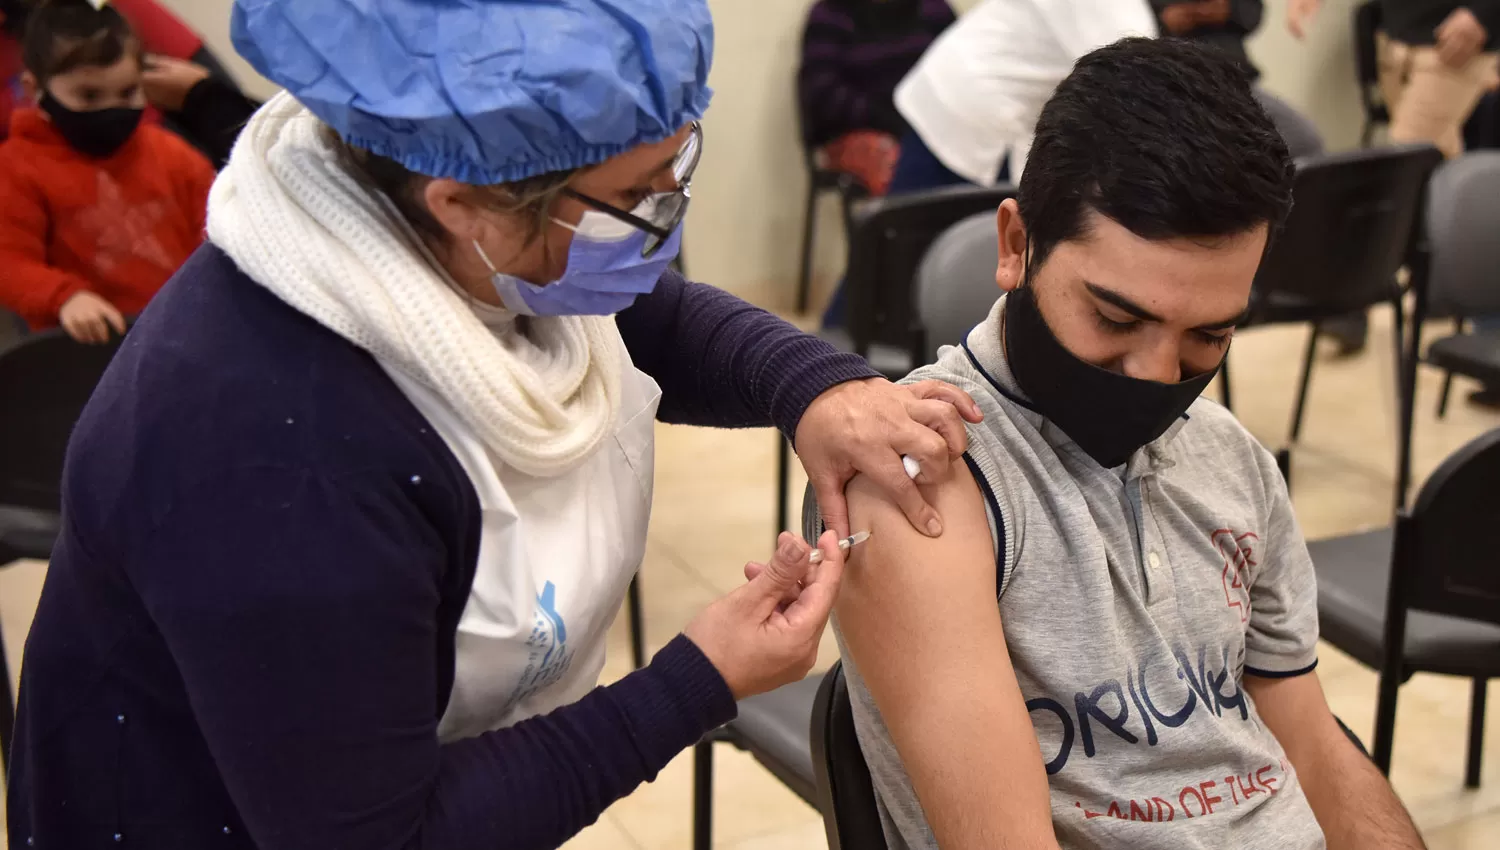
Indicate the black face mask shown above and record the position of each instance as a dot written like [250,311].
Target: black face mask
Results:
[1107,414]
[98,133]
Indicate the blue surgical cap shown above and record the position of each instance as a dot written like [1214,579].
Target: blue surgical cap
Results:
[487,91]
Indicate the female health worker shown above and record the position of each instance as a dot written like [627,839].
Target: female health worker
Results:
[347,521]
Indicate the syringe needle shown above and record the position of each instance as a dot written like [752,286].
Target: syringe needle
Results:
[844,546]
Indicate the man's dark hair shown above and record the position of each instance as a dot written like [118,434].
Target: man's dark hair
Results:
[62,35]
[1161,136]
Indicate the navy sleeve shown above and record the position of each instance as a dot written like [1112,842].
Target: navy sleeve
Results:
[723,363]
[300,610]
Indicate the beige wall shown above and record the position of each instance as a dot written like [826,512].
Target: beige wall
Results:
[744,230]
[1316,75]
[211,19]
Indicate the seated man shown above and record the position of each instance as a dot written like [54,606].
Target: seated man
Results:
[1112,644]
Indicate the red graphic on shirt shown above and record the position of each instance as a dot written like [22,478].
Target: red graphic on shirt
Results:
[1238,551]
[123,230]
[1196,799]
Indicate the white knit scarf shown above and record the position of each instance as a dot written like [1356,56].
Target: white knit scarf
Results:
[293,220]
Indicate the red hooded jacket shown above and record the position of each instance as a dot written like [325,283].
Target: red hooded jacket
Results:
[118,227]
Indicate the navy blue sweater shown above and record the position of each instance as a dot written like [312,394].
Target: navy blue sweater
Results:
[246,635]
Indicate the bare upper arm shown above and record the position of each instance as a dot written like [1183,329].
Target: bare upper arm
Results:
[1296,711]
[919,617]
[893,582]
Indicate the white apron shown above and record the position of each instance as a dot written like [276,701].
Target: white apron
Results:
[556,556]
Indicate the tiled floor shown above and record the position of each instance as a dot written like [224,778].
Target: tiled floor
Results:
[714,511]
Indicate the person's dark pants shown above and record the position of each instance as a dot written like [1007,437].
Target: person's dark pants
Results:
[917,170]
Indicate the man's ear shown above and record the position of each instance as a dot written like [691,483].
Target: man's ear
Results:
[1012,268]
[29,87]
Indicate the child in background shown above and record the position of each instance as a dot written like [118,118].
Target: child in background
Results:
[99,210]
[161,33]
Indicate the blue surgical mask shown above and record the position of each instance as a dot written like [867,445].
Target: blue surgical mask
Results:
[605,273]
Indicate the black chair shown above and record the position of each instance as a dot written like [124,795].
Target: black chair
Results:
[956,286]
[637,622]
[1367,22]
[845,792]
[45,380]
[778,729]
[773,728]
[888,238]
[1475,355]
[1423,596]
[12,328]
[1463,216]
[804,735]
[1353,227]
[820,181]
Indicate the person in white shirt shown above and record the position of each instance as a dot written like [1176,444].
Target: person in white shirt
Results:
[973,100]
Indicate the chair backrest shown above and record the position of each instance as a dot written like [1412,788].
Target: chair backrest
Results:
[12,328]
[1367,21]
[887,242]
[1354,223]
[45,380]
[1463,235]
[956,282]
[1445,558]
[845,793]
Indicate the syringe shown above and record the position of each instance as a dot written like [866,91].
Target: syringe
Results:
[913,469]
[844,546]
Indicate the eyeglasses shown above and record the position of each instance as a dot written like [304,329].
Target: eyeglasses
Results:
[659,215]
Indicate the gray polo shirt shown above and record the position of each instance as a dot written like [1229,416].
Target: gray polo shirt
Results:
[1133,601]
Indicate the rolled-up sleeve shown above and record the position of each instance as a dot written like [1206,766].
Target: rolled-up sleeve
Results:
[1282,636]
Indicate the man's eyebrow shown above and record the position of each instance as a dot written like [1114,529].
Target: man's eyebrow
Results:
[1109,296]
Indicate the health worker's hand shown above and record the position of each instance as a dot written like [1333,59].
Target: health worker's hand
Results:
[765,634]
[866,426]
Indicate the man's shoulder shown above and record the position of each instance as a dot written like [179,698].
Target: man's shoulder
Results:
[1212,428]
